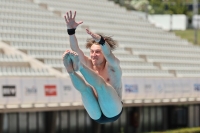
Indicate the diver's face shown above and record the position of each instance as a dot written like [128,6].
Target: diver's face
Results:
[96,54]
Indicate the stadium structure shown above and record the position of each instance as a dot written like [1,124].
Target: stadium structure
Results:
[161,72]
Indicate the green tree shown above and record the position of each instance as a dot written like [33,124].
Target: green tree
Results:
[139,5]
[176,7]
[156,7]
[159,6]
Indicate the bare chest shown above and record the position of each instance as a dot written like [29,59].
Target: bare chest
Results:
[105,75]
[108,75]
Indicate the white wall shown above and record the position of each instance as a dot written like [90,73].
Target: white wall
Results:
[167,22]
[180,22]
[196,21]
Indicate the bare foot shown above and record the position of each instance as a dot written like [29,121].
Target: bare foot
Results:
[75,60]
[68,62]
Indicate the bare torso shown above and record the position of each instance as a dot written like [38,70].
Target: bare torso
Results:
[111,76]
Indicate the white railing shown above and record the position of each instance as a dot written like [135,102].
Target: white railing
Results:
[23,93]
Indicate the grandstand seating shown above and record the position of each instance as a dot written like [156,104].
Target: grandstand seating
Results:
[24,71]
[38,29]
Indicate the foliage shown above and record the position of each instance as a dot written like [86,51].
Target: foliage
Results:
[159,6]
[139,5]
[184,130]
[156,7]
[169,6]
[121,130]
[177,7]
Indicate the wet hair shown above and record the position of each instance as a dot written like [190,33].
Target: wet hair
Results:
[113,44]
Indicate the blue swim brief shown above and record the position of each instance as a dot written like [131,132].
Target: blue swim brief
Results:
[103,119]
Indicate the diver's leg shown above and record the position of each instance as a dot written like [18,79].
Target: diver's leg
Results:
[88,97]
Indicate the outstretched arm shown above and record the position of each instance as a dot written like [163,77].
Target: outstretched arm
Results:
[106,50]
[72,24]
